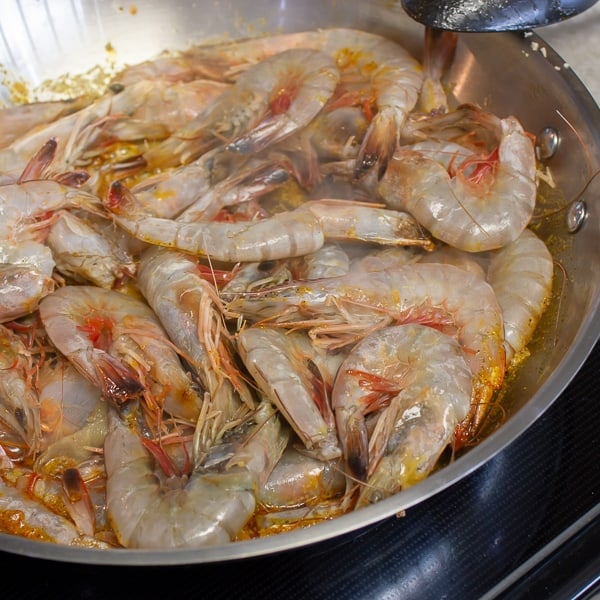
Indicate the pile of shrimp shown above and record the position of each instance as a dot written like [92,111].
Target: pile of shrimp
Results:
[253,286]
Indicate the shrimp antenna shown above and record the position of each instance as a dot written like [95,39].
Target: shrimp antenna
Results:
[587,184]
[560,299]
[579,139]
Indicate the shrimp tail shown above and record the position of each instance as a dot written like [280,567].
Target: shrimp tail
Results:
[116,382]
[378,145]
[118,199]
[78,501]
[440,48]
[39,162]
[357,448]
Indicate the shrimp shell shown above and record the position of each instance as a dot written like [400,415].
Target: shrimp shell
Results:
[521,275]
[444,296]
[467,213]
[279,365]
[268,102]
[117,342]
[431,383]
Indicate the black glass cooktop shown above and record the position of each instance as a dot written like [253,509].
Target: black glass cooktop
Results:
[525,525]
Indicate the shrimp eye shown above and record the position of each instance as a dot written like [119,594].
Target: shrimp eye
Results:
[116,88]
[267,265]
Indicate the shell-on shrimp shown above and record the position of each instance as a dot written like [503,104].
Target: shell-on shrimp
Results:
[19,406]
[71,131]
[521,275]
[22,287]
[372,68]
[470,199]
[300,479]
[328,261]
[66,399]
[283,235]
[418,381]
[348,220]
[27,207]
[444,296]
[439,48]
[300,491]
[189,310]
[22,515]
[281,366]
[173,105]
[117,139]
[146,511]
[20,119]
[86,254]
[118,343]
[268,102]
[205,186]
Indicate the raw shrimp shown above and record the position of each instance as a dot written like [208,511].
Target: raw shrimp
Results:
[19,120]
[246,186]
[118,343]
[283,235]
[199,190]
[388,258]
[170,192]
[419,381]
[336,133]
[22,287]
[284,369]
[521,275]
[172,68]
[26,208]
[298,479]
[146,511]
[268,102]
[328,261]
[19,406]
[36,255]
[23,516]
[117,139]
[362,221]
[86,254]
[71,131]
[443,296]
[300,492]
[471,200]
[188,309]
[173,105]
[372,68]
[468,261]
[438,53]
[66,399]
[254,276]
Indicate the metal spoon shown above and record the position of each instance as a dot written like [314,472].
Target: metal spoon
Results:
[492,15]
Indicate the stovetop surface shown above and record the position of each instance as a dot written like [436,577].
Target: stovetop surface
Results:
[524,525]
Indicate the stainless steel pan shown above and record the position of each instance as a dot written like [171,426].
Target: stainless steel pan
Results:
[506,73]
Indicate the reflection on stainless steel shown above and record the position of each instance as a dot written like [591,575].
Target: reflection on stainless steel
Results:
[498,71]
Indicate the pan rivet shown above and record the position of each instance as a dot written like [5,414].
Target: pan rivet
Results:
[576,216]
[546,143]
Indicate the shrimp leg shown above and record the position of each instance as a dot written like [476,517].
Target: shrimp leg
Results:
[429,381]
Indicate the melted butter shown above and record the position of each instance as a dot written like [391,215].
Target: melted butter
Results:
[15,523]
